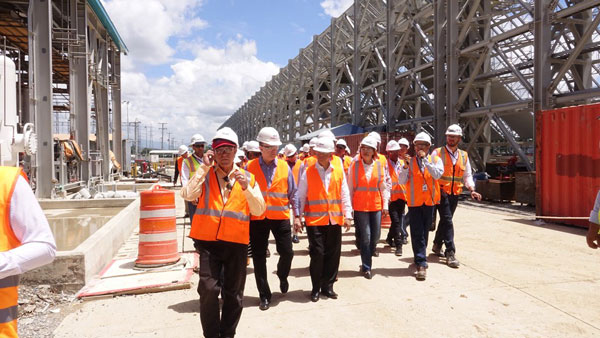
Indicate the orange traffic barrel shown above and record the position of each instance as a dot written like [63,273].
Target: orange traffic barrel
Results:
[158,232]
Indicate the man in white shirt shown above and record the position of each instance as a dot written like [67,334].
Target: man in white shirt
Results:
[326,208]
[457,174]
[26,242]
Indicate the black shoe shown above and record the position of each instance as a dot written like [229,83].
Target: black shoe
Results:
[375,253]
[390,242]
[437,250]
[314,296]
[405,241]
[295,239]
[264,304]
[330,294]
[368,274]
[284,286]
[398,251]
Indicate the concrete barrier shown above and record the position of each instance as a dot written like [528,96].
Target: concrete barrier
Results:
[73,269]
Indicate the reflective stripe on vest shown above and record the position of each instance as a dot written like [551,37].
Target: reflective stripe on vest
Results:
[416,197]
[323,207]
[193,165]
[398,190]
[9,293]
[367,196]
[218,221]
[275,195]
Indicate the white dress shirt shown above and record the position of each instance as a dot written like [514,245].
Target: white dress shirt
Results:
[325,175]
[467,175]
[30,226]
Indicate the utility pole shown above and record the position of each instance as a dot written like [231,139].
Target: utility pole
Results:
[169,141]
[151,143]
[127,104]
[146,129]
[162,134]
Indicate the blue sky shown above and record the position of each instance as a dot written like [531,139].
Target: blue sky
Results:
[192,63]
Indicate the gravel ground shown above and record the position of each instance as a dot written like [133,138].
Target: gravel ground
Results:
[41,309]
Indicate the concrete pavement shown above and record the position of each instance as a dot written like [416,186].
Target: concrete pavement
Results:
[516,279]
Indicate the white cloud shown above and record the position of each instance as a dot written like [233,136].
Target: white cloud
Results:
[147,25]
[202,92]
[335,8]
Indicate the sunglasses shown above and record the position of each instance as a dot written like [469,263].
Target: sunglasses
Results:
[198,146]
[223,150]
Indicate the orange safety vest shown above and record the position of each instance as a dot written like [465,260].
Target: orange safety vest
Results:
[193,165]
[321,205]
[415,195]
[452,179]
[367,196]
[398,190]
[347,162]
[218,221]
[276,196]
[8,240]
[179,163]
[296,170]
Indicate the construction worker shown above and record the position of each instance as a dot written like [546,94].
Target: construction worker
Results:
[325,207]
[340,151]
[420,174]
[397,197]
[370,197]
[304,151]
[191,165]
[227,196]
[593,234]
[278,187]
[183,154]
[252,150]
[457,174]
[291,157]
[26,242]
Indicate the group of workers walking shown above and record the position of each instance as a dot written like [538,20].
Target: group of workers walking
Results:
[241,196]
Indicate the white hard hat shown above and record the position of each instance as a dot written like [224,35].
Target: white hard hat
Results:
[244,145]
[327,133]
[369,142]
[348,150]
[305,148]
[281,151]
[252,146]
[324,145]
[454,129]
[269,136]
[239,153]
[422,136]
[197,138]
[312,142]
[404,141]
[289,150]
[376,136]
[182,149]
[341,142]
[392,145]
[228,134]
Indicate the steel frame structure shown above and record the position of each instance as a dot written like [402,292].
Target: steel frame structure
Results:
[71,66]
[401,65]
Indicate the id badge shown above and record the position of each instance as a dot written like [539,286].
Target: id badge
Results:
[424,187]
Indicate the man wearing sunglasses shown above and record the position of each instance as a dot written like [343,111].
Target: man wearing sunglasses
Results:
[191,165]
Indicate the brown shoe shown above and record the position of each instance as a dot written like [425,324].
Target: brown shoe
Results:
[421,273]
[437,250]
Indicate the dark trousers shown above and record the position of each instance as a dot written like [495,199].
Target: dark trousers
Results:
[420,222]
[325,248]
[259,237]
[445,230]
[191,210]
[230,260]
[368,224]
[397,230]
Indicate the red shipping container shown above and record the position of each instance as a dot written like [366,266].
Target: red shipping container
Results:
[568,162]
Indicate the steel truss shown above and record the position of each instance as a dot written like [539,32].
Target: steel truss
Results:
[416,65]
